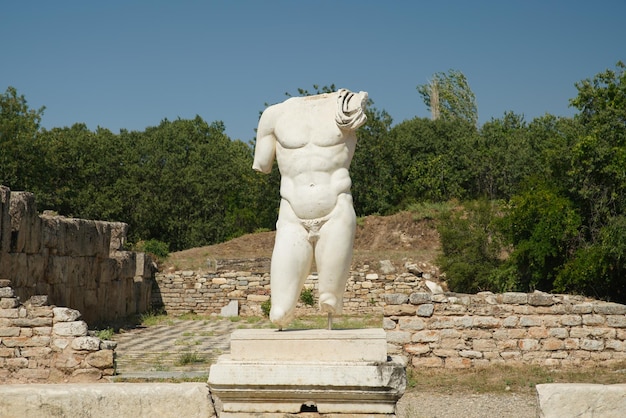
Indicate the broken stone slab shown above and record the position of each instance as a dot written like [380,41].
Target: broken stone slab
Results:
[165,400]
[583,400]
[230,310]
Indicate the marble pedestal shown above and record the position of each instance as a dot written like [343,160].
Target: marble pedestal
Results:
[269,373]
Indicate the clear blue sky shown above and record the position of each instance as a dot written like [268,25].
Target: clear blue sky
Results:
[130,64]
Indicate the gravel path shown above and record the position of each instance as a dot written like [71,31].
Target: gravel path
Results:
[467,405]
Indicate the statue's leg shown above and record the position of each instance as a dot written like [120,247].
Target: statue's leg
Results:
[333,255]
[291,264]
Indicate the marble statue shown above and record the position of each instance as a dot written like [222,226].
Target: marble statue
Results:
[313,140]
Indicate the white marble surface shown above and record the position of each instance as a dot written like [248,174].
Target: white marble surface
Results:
[313,140]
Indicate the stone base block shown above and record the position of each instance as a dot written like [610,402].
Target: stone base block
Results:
[364,345]
[558,400]
[102,400]
[341,372]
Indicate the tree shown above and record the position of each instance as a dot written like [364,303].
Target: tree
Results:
[597,184]
[448,96]
[543,227]
[471,246]
[430,159]
[18,148]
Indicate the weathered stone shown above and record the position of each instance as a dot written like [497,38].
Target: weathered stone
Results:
[470,354]
[552,344]
[425,310]
[396,298]
[571,320]
[430,362]
[386,267]
[398,337]
[6,292]
[32,322]
[399,310]
[434,288]
[417,349]
[486,322]
[420,298]
[411,323]
[230,310]
[36,341]
[389,324]
[609,308]
[102,359]
[458,363]
[514,298]
[8,303]
[558,400]
[10,331]
[33,352]
[9,313]
[540,299]
[616,321]
[258,298]
[593,319]
[37,300]
[65,314]
[425,336]
[86,343]
[528,344]
[582,308]
[75,328]
[591,345]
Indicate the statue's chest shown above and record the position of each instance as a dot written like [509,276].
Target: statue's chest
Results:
[304,125]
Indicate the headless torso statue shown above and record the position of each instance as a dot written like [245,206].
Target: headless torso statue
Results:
[313,140]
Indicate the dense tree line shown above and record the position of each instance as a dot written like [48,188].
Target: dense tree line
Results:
[538,205]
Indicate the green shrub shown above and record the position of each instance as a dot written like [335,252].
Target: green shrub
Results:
[471,246]
[306,297]
[266,307]
[155,247]
[105,334]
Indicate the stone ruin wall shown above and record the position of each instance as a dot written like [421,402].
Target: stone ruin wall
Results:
[440,330]
[77,263]
[46,344]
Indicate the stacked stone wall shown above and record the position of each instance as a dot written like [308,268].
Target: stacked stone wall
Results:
[434,329]
[206,293]
[47,344]
[462,331]
[78,263]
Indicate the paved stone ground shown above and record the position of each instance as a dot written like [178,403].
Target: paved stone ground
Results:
[174,348]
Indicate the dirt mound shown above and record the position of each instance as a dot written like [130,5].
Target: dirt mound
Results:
[398,238]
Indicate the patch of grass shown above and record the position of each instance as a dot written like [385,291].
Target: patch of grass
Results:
[190,357]
[498,379]
[153,318]
[105,334]
[186,342]
[429,210]
[159,366]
